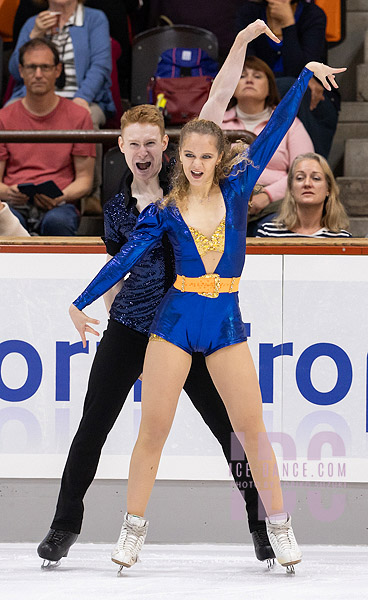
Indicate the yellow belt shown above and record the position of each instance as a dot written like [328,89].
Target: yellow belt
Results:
[209,285]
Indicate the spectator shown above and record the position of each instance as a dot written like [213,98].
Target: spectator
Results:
[69,165]
[116,11]
[311,207]
[256,96]
[301,26]
[82,38]
[9,224]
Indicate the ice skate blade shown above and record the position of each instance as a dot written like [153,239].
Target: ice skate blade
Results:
[270,563]
[50,564]
[290,566]
[117,562]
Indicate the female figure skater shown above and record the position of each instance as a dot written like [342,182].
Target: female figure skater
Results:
[205,217]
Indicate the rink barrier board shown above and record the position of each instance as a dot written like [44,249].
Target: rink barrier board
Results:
[63,416]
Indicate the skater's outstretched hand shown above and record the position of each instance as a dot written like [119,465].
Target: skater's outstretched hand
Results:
[325,74]
[81,320]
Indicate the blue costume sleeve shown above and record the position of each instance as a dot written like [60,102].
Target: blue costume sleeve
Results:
[150,228]
[265,145]
[115,214]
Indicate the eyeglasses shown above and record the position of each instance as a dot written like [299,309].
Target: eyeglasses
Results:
[33,68]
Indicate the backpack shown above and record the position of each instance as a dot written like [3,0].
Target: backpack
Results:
[182,83]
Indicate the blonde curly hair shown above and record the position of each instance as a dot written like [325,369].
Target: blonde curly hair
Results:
[230,155]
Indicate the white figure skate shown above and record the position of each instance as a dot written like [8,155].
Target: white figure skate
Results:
[130,542]
[283,542]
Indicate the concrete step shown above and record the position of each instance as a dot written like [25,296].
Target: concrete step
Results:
[366,47]
[358,226]
[353,112]
[344,131]
[362,83]
[353,123]
[357,6]
[356,158]
[354,195]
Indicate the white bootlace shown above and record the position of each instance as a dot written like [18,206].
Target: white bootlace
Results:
[131,539]
[283,542]
[284,537]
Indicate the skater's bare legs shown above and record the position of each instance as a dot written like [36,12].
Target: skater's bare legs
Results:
[232,370]
[165,370]
[233,373]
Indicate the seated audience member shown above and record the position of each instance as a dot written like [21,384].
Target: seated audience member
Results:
[256,97]
[302,27]
[9,224]
[116,11]
[311,207]
[82,37]
[69,165]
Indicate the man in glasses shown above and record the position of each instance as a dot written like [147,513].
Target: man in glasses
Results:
[64,169]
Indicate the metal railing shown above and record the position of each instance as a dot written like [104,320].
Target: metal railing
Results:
[103,136]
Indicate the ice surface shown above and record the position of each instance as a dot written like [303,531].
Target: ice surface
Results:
[198,572]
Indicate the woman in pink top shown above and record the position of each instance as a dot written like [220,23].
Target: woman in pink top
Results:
[256,97]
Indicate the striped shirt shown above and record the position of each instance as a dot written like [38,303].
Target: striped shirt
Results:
[63,42]
[273,230]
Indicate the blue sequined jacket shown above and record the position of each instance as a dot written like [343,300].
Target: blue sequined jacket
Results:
[136,303]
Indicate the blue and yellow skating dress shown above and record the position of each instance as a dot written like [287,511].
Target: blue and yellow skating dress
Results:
[191,321]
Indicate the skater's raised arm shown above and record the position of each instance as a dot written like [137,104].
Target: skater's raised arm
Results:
[228,77]
[264,146]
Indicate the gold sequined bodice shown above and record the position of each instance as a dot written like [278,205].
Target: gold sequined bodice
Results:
[215,242]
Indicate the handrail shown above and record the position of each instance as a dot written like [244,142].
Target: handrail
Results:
[102,136]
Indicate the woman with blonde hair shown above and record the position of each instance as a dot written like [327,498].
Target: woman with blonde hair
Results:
[206,223]
[312,206]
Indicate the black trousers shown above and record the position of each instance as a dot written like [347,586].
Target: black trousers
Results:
[116,366]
